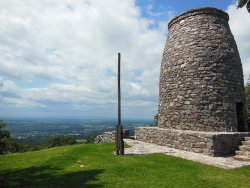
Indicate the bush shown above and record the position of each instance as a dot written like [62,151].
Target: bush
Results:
[155,121]
[12,146]
[247,92]
[60,140]
[90,139]
[4,137]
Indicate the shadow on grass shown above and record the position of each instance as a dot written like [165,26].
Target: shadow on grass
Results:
[48,176]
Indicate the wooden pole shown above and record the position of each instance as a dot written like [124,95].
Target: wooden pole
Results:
[119,89]
[116,141]
[121,142]
[119,131]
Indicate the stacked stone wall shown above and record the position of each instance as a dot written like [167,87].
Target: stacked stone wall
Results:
[110,136]
[105,137]
[208,143]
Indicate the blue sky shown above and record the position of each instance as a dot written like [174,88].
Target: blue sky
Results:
[178,6]
[58,58]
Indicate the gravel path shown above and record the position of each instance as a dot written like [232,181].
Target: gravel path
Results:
[142,148]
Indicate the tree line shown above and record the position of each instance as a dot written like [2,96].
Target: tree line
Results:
[10,145]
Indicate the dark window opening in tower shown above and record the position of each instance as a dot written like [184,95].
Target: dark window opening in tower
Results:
[240,117]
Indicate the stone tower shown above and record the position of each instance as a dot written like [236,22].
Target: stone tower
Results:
[201,81]
[201,98]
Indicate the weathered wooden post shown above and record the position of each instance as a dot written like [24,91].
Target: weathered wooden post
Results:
[119,132]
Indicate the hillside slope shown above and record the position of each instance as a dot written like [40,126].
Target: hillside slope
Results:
[94,165]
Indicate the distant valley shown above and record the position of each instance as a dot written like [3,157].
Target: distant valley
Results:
[38,130]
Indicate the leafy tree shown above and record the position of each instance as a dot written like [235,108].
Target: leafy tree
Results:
[20,146]
[12,146]
[4,137]
[60,140]
[90,139]
[155,121]
[6,143]
[247,92]
[242,3]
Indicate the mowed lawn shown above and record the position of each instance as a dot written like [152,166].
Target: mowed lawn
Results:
[95,165]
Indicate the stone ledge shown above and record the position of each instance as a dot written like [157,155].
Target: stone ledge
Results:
[142,148]
[208,143]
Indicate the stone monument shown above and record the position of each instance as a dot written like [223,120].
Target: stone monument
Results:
[201,98]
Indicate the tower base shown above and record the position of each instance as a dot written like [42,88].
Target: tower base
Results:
[208,143]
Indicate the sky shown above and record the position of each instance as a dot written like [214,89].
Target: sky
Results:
[58,59]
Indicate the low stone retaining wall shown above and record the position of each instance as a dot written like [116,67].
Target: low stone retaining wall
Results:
[208,143]
[105,137]
[110,136]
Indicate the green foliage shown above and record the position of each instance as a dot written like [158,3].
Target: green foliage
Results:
[242,3]
[90,139]
[12,146]
[81,141]
[247,92]
[60,140]
[155,121]
[9,145]
[4,137]
[60,167]
[24,147]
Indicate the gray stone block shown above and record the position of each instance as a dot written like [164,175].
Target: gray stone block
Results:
[207,143]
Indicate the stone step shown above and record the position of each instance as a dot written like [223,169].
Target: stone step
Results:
[244,148]
[245,153]
[242,158]
[247,138]
[247,142]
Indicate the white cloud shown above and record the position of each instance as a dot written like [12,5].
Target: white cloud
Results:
[73,46]
[240,25]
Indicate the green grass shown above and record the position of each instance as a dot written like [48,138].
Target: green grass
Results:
[60,167]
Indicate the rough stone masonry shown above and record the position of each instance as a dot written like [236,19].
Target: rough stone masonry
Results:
[201,97]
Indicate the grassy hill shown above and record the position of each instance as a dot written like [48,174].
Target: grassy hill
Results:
[94,165]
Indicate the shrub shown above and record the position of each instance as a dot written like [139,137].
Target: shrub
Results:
[4,137]
[90,139]
[59,140]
